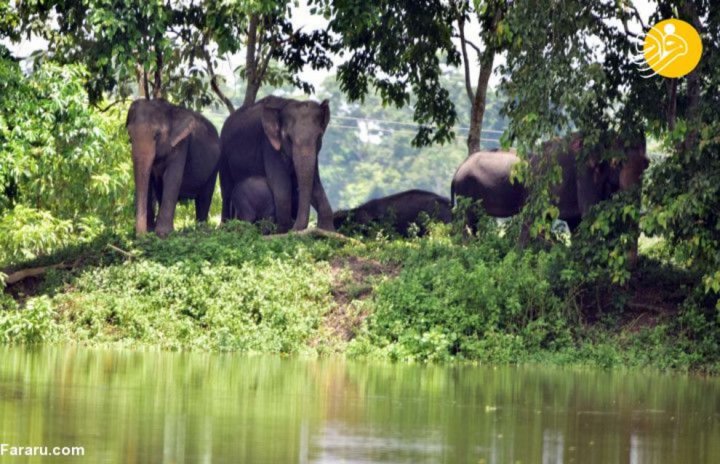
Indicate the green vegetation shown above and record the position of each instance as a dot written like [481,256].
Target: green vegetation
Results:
[439,298]
[66,192]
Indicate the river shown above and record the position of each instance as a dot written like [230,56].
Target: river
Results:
[155,407]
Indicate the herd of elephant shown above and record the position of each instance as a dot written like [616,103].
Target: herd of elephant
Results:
[267,159]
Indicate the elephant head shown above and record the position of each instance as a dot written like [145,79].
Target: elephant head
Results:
[612,167]
[357,216]
[296,129]
[155,128]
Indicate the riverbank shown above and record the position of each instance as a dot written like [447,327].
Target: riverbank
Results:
[440,298]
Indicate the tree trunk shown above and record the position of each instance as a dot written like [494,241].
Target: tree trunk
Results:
[692,113]
[487,57]
[223,98]
[141,74]
[671,113]
[251,62]
[157,83]
[477,112]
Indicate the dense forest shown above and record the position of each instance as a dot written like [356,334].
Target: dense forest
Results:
[409,93]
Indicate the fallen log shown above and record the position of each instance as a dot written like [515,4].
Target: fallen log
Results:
[22,274]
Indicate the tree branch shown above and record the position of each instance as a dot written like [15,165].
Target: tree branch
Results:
[157,82]
[466,64]
[214,78]
[103,110]
[263,67]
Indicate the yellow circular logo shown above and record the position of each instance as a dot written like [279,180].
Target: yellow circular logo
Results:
[672,48]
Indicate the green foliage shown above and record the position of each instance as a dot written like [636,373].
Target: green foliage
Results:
[26,233]
[32,324]
[233,291]
[65,173]
[436,298]
[170,49]
[684,200]
[56,153]
[606,239]
[465,302]
[394,46]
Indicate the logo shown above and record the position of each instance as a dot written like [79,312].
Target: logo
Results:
[672,48]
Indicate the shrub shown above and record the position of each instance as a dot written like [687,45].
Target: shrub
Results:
[465,302]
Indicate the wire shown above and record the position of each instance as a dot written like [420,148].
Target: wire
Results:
[387,121]
[390,131]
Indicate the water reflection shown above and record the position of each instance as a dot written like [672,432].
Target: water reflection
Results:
[135,407]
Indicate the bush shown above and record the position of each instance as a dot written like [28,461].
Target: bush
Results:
[26,233]
[228,290]
[57,153]
[32,324]
[467,303]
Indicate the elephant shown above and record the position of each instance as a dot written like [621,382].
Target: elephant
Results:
[486,176]
[252,200]
[278,139]
[398,211]
[176,154]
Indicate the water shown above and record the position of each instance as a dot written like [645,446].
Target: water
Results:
[149,407]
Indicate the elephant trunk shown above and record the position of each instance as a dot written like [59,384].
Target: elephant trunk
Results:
[142,165]
[304,163]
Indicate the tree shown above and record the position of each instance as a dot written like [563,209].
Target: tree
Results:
[573,68]
[398,47]
[494,36]
[172,48]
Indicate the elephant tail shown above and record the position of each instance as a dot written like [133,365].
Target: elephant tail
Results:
[452,194]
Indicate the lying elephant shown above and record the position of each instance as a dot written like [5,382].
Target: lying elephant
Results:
[175,153]
[398,211]
[486,176]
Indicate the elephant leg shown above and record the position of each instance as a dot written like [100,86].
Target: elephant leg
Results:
[573,223]
[151,206]
[203,201]
[280,183]
[321,204]
[172,179]
[226,187]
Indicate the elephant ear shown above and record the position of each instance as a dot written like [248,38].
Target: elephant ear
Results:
[271,126]
[325,107]
[182,128]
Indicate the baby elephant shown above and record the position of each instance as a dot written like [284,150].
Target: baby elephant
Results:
[252,200]
[397,211]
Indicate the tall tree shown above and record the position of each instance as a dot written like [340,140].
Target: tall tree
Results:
[494,37]
[172,48]
[398,47]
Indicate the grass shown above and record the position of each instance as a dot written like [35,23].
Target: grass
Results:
[440,298]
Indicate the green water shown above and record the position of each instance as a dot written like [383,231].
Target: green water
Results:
[149,407]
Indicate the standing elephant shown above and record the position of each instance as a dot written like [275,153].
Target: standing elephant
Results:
[486,176]
[278,139]
[252,200]
[175,154]
[398,211]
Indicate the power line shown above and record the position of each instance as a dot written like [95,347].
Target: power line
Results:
[387,121]
[390,131]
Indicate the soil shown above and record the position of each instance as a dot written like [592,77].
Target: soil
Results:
[353,281]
